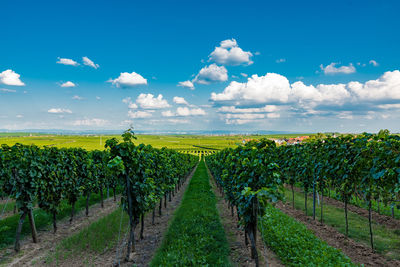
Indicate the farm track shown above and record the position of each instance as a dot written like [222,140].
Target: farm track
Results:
[146,248]
[381,219]
[34,254]
[357,252]
[239,252]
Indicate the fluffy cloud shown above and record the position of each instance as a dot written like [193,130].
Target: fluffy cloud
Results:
[68,84]
[127,100]
[90,122]
[139,114]
[186,84]
[167,113]
[309,100]
[385,87]
[90,63]
[229,53]
[373,63]
[332,69]
[10,77]
[389,106]
[233,109]
[211,73]
[148,101]
[67,61]
[185,111]
[180,101]
[126,79]
[262,89]
[234,115]
[327,93]
[59,110]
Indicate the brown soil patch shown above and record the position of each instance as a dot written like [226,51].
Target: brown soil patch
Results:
[240,253]
[32,253]
[145,248]
[382,219]
[357,252]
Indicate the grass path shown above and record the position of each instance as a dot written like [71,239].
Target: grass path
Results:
[196,236]
[386,241]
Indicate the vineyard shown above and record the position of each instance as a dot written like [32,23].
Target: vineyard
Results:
[275,203]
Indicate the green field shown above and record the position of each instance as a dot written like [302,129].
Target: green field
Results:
[183,143]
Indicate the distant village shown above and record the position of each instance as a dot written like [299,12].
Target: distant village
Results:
[292,140]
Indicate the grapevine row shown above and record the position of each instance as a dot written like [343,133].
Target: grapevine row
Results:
[46,176]
[366,166]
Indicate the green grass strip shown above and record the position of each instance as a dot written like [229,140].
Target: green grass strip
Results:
[8,226]
[295,245]
[7,207]
[96,238]
[384,209]
[386,241]
[196,236]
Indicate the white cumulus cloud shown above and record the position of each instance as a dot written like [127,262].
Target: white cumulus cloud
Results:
[332,69]
[180,100]
[373,63]
[167,113]
[212,73]
[10,77]
[186,84]
[148,101]
[233,109]
[385,87]
[126,79]
[229,53]
[338,100]
[67,61]
[59,110]
[90,63]
[68,84]
[263,89]
[185,111]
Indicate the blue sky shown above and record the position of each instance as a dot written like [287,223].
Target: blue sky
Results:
[319,65]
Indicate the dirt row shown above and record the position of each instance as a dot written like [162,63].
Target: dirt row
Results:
[357,252]
[240,253]
[32,253]
[145,248]
[382,219]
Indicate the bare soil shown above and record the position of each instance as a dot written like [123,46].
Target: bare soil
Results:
[382,219]
[32,253]
[240,253]
[145,248]
[357,252]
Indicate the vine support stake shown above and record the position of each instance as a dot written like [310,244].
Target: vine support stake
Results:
[17,245]
[370,224]
[33,226]
[131,239]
